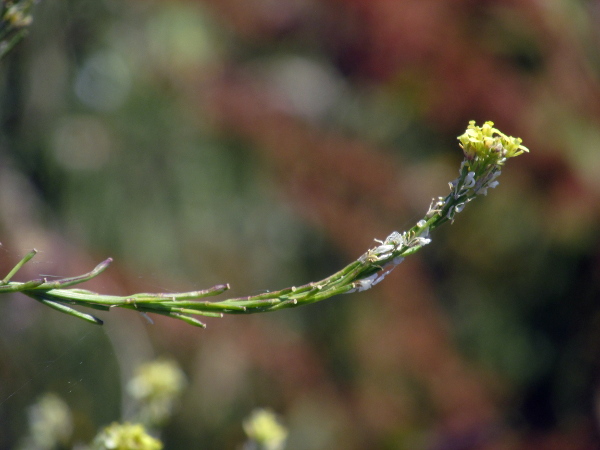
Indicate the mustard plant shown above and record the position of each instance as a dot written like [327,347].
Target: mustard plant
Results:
[485,150]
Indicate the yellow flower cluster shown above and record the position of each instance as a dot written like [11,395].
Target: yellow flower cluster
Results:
[489,144]
[17,15]
[125,436]
[156,386]
[157,379]
[264,430]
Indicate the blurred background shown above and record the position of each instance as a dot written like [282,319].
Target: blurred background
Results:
[265,143]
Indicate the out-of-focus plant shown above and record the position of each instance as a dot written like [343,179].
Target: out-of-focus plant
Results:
[125,436]
[50,424]
[264,431]
[485,150]
[156,387]
[15,17]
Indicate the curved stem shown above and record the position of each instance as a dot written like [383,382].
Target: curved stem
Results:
[485,149]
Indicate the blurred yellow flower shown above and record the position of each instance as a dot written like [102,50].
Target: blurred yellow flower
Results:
[264,430]
[125,436]
[156,386]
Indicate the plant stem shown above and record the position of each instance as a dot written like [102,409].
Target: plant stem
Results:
[485,149]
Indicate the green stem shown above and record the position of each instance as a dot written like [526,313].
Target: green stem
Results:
[20,264]
[485,149]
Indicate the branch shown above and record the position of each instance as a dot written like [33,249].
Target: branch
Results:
[485,150]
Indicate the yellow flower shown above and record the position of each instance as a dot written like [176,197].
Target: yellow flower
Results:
[263,428]
[125,436]
[489,144]
[156,386]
